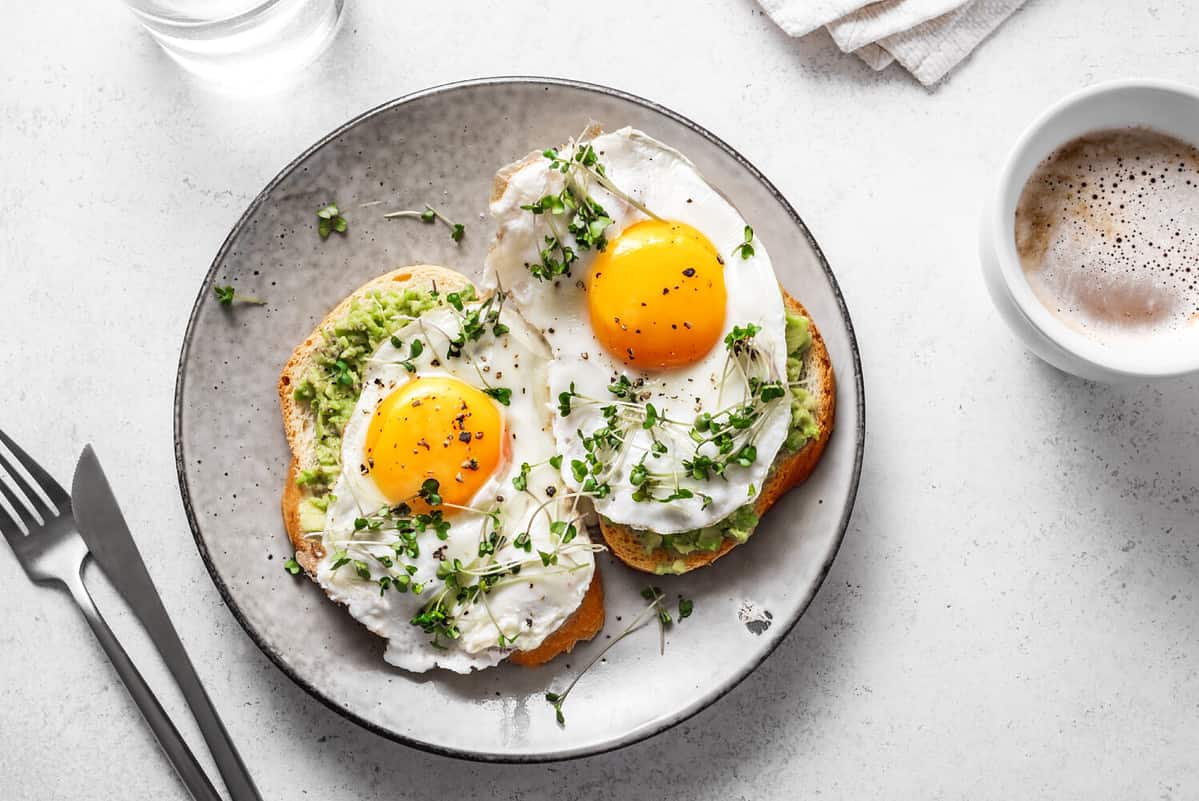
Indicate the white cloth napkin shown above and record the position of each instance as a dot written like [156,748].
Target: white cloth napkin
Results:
[927,37]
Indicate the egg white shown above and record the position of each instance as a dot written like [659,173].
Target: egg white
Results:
[668,184]
[545,596]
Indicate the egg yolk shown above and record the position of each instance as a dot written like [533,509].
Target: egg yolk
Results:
[434,427]
[656,295]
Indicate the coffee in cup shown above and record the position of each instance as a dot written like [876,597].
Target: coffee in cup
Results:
[1107,233]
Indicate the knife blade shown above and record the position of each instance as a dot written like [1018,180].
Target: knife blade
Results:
[102,526]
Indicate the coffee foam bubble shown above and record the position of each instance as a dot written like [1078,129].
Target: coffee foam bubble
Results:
[1107,230]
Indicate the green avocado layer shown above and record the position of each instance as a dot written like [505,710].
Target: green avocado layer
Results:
[332,385]
[803,404]
[741,523]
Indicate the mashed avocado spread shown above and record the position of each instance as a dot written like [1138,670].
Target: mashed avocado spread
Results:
[333,383]
[803,404]
[741,523]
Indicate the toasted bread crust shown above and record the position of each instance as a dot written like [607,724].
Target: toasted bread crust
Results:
[586,621]
[309,550]
[625,544]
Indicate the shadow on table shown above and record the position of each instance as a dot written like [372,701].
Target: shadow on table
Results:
[1127,463]
[1134,448]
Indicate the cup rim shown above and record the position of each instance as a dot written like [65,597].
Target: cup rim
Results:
[1076,343]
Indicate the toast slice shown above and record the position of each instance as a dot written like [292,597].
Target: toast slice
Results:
[787,471]
[300,429]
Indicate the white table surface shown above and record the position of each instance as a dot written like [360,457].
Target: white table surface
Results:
[1013,612]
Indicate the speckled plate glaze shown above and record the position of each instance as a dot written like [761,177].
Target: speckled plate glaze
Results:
[443,145]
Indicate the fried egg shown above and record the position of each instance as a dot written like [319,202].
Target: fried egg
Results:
[425,506]
[643,322]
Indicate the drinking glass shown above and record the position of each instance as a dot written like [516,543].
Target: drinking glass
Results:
[241,43]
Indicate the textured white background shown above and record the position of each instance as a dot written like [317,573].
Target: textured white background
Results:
[1013,613]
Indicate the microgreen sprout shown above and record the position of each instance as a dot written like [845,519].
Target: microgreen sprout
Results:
[574,209]
[429,491]
[564,400]
[431,215]
[503,395]
[622,387]
[292,566]
[329,219]
[474,321]
[227,296]
[587,160]
[521,480]
[746,248]
[655,608]
[415,349]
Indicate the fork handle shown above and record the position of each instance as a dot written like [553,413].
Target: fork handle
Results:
[177,751]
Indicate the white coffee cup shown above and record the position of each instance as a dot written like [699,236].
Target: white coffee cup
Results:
[1167,107]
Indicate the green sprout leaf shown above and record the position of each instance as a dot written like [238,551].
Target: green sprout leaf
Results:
[340,559]
[564,400]
[330,219]
[521,480]
[622,387]
[502,394]
[746,248]
[430,215]
[227,296]
[428,492]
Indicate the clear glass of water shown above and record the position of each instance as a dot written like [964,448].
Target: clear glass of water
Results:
[245,44]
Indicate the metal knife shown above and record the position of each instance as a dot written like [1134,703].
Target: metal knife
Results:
[103,528]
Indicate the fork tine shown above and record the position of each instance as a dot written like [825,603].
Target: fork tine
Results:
[49,486]
[23,517]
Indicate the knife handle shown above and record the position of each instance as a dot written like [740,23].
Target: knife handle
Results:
[237,778]
[177,751]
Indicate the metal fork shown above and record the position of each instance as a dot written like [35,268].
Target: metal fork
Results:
[40,528]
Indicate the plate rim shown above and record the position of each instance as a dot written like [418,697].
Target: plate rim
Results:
[656,726]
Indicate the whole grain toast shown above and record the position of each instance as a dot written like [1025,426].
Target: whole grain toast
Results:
[583,624]
[786,472]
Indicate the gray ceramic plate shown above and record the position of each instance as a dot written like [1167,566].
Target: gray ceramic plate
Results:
[442,146]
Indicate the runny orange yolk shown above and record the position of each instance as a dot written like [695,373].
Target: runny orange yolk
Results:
[657,295]
[434,427]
